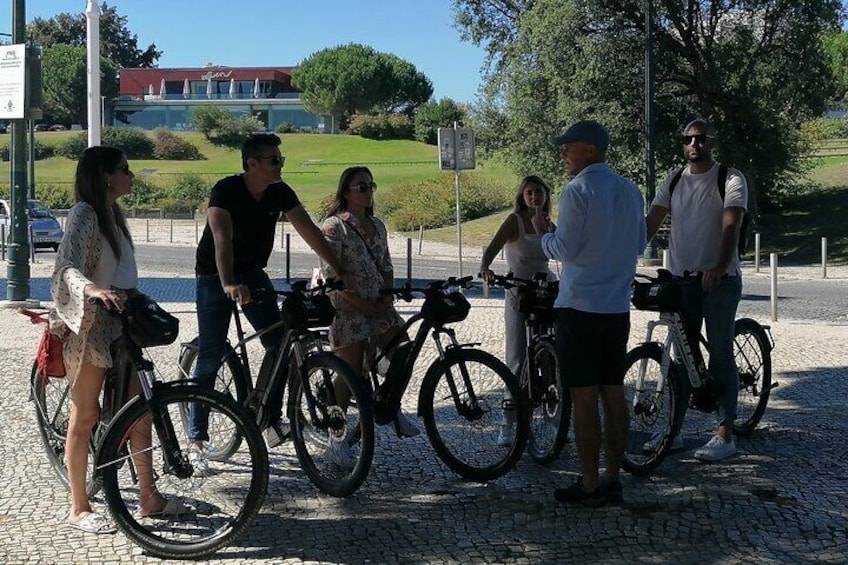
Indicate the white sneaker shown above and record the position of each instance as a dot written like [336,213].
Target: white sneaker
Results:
[507,432]
[339,452]
[654,443]
[198,459]
[404,426]
[716,449]
[276,433]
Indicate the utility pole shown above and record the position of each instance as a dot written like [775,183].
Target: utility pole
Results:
[92,44]
[18,269]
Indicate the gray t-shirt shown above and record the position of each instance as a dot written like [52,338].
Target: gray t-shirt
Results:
[696,209]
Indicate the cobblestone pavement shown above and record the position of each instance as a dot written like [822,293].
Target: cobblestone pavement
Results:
[783,499]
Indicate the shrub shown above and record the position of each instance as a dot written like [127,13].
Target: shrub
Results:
[42,151]
[169,146]
[176,205]
[73,146]
[431,116]
[190,187]
[144,195]
[132,141]
[222,128]
[432,203]
[383,126]
[285,127]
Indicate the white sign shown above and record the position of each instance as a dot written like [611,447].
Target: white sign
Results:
[12,77]
[456,149]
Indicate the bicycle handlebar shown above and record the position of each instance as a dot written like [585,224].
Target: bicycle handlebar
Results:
[406,291]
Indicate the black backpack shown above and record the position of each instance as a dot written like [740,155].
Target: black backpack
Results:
[742,244]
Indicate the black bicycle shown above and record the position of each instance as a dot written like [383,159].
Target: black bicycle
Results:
[656,373]
[218,508]
[461,395]
[549,402]
[302,367]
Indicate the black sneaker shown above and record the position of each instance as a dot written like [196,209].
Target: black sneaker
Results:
[576,495]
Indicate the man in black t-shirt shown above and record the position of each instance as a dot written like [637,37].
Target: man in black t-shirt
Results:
[231,259]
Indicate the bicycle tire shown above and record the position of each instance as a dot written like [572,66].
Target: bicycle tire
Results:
[315,418]
[549,404]
[654,415]
[52,401]
[467,442]
[222,503]
[230,380]
[752,352]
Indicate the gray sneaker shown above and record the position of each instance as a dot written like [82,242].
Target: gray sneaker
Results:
[277,433]
[404,426]
[716,449]
[340,453]
[506,435]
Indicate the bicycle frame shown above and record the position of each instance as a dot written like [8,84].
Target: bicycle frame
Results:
[676,346]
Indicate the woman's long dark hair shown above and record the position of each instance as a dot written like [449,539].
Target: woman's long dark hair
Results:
[90,186]
[519,203]
[340,202]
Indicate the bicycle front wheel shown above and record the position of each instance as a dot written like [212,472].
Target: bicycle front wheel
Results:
[334,443]
[52,399]
[214,501]
[229,380]
[461,402]
[549,403]
[752,352]
[652,400]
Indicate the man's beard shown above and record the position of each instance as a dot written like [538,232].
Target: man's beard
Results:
[697,158]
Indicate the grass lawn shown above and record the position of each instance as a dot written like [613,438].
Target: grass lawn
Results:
[314,162]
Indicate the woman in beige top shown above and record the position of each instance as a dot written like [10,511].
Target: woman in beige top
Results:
[96,260]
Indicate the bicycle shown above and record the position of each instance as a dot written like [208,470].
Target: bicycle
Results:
[654,383]
[302,364]
[461,396]
[548,399]
[220,508]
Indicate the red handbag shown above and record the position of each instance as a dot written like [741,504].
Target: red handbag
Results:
[49,359]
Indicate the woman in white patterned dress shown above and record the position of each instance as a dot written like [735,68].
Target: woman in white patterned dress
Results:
[96,260]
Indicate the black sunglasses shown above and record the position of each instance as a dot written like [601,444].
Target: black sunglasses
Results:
[364,186]
[124,169]
[273,159]
[701,138]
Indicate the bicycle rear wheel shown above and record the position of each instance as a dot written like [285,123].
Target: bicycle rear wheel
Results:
[461,403]
[230,381]
[652,400]
[334,444]
[52,398]
[752,352]
[220,503]
[549,404]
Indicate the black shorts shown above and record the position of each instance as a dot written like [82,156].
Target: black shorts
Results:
[591,347]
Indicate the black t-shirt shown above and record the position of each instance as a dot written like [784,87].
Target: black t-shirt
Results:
[254,222]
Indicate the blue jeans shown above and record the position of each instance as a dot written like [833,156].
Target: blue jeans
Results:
[717,309]
[214,310]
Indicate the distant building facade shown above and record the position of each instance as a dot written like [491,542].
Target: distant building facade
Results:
[151,98]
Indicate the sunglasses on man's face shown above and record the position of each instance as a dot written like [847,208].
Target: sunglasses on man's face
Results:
[701,138]
[274,160]
[364,186]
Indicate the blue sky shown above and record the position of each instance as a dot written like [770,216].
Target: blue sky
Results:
[284,32]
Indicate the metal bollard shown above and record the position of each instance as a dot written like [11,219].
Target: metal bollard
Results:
[147,230]
[824,257]
[409,260]
[282,233]
[773,275]
[171,232]
[31,245]
[3,239]
[196,237]
[420,239]
[756,252]
[665,255]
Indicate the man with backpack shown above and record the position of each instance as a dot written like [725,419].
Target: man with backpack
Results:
[707,202]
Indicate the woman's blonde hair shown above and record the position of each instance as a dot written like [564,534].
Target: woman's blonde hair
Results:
[519,204]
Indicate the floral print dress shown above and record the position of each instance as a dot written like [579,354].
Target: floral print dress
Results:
[366,260]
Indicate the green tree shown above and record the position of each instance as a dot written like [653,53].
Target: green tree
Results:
[757,68]
[349,79]
[117,43]
[836,45]
[434,115]
[64,84]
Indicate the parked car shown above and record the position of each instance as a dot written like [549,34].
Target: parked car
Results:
[3,128]
[58,127]
[40,127]
[46,231]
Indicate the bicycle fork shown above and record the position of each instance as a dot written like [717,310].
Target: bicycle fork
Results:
[466,403]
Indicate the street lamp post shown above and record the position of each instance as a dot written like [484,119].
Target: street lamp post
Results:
[650,146]
[18,269]
[92,18]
